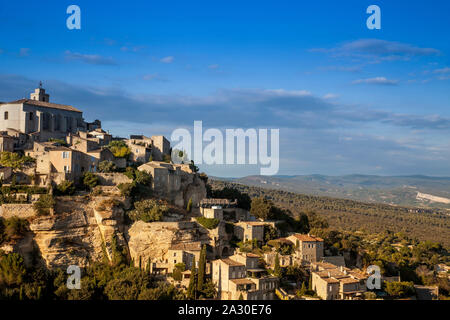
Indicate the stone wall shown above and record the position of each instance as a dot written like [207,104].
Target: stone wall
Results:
[113,178]
[21,210]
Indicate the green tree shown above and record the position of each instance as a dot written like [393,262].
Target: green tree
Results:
[44,204]
[192,288]
[277,269]
[178,271]
[189,205]
[263,208]
[119,149]
[65,188]
[12,270]
[106,166]
[201,269]
[148,210]
[90,180]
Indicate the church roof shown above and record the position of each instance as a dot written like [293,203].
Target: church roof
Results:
[44,104]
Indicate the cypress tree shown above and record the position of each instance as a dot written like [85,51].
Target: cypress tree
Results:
[201,269]
[191,291]
[277,268]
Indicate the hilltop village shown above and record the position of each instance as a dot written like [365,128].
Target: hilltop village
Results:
[72,194]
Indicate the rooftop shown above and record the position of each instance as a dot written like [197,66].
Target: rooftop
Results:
[307,237]
[44,104]
[230,262]
[242,281]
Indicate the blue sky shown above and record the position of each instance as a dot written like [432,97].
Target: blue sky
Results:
[346,99]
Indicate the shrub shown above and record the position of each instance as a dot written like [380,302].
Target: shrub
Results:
[148,210]
[119,149]
[177,271]
[143,178]
[130,173]
[65,188]
[208,223]
[90,180]
[12,270]
[107,204]
[127,189]
[189,205]
[14,160]
[400,289]
[106,166]
[15,228]
[44,204]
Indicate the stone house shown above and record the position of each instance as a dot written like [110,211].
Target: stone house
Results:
[224,270]
[249,230]
[140,151]
[308,248]
[143,147]
[7,142]
[331,282]
[234,280]
[215,212]
[183,253]
[160,147]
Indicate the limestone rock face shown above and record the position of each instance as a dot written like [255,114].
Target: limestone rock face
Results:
[153,240]
[77,233]
[68,238]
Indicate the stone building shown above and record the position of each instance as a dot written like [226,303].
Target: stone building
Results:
[308,248]
[7,142]
[183,253]
[249,230]
[144,148]
[235,278]
[39,116]
[331,282]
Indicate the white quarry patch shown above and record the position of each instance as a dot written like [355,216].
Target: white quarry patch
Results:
[430,197]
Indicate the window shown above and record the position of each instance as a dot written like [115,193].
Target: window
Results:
[6,115]
[137,150]
[31,115]
[65,154]
[66,169]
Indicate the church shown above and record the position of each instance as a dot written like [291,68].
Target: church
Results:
[40,117]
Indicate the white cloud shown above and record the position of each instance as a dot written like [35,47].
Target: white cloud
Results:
[377,80]
[443,70]
[89,58]
[168,59]
[330,96]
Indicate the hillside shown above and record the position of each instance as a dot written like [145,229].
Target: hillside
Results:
[344,214]
[396,190]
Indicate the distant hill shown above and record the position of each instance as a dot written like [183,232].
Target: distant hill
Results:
[416,191]
[345,214]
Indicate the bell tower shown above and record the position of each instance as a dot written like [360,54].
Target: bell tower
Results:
[39,94]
